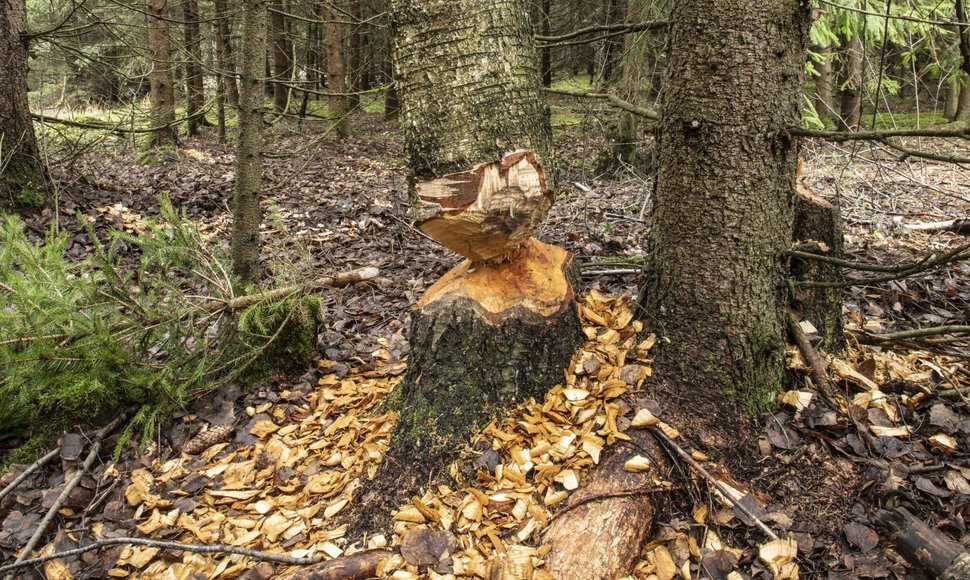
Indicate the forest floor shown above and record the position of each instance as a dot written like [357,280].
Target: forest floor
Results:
[897,433]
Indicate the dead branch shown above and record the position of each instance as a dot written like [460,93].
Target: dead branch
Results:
[612,99]
[839,136]
[699,469]
[926,548]
[353,567]
[52,512]
[877,339]
[337,281]
[958,226]
[818,368]
[26,472]
[607,28]
[165,545]
[908,152]
[901,271]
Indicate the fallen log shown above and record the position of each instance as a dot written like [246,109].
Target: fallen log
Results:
[354,567]
[927,549]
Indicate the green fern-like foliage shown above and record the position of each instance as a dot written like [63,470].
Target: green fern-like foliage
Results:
[81,339]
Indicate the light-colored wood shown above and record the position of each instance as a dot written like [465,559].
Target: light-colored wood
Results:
[534,279]
[488,212]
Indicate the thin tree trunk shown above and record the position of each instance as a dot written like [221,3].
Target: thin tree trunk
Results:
[246,213]
[334,29]
[161,78]
[391,104]
[282,63]
[226,62]
[963,106]
[222,79]
[613,46]
[546,6]
[23,176]
[353,42]
[850,83]
[723,207]
[195,89]
[824,89]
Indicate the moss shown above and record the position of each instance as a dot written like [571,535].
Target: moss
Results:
[30,450]
[25,193]
[284,331]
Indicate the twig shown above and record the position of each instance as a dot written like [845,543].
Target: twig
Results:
[613,100]
[164,545]
[925,264]
[337,281]
[26,473]
[819,376]
[872,339]
[699,469]
[613,272]
[839,136]
[62,497]
[611,28]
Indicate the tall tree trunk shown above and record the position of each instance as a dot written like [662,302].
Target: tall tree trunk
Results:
[352,39]
[222,78]
[613,46]
[824,89]
[246,214]
[546,51]
[963,106]
[195,89]
[502,325]
[722,218]
[226,62]
[161,78]
[850,83]
[334,30]
[23,176]
[391,104]
[282,61]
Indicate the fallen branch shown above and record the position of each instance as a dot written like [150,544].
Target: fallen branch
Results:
[908,152]
[839,136]
[611,29]
[165,545]
[818,368]
[338,281]
[26,472]
[897,272]
[877,339]
[62,497]
[699,469]
[961,226]
[926,548]
[612,99]
[353,567]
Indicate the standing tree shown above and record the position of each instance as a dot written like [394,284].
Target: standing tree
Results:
[227,64]
[246,214]
[194,82]
[23,177]
[335,33]
[716,278]
[851,77]
[502,325]
[161,78]
[963,21]
[282,61]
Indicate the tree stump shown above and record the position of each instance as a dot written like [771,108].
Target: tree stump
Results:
[484,337]
[819,222]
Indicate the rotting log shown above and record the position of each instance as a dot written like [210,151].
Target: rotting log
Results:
[819,222]
[927,549]
[484,337]
[607,520]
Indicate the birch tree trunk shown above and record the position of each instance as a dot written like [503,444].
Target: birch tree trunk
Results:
[23,177]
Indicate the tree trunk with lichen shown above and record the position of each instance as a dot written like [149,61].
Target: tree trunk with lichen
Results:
[723,201]
[501,326]
[246,213]
[23,177]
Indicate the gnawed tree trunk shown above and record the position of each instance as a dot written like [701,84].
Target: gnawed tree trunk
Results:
[23,176]
[501,326]
[335,32]
[850,84]
[246,214]
[195,93]
[282,63]
[161,78]
[818,222]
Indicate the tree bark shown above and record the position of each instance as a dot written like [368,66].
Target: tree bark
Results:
[500,329]
[194,82]
[824,89]
[335,32]
[716,275]
[545,8]
[963,106]
[23,176]
[246,214]
[282,63]
[850,83]
[161,78]
[226,62]
[354,49]
[818,220]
